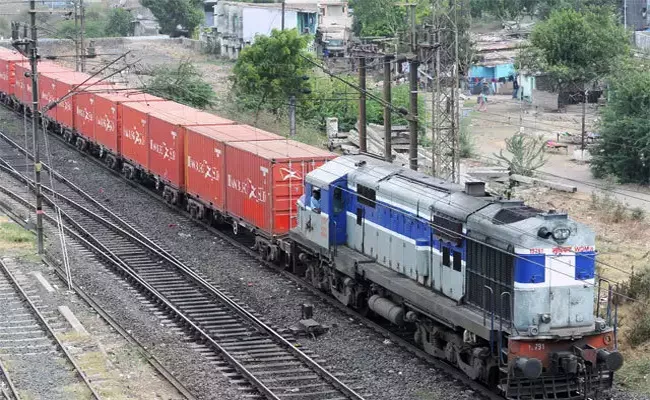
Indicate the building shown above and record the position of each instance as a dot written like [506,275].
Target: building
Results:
[236,24]
[496,63]
[334,26]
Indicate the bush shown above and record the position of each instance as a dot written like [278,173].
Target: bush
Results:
[638,286]
[119,22]
[466,140]
[638,214]
[611,209]
[183,84]
[639,331]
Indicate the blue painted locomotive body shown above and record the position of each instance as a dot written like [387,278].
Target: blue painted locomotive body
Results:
[504,291]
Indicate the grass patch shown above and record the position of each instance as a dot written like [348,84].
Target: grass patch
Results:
[635,374]
[13,233]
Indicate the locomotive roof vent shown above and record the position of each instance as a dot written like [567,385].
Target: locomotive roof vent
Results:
[553,215]
[476,189]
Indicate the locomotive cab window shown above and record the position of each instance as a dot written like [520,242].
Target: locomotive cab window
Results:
[366,196]
[338,200]
[445,257]
[315,199]
[458,261]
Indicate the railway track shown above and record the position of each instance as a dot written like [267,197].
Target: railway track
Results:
[7,388]
[40,363]
[396,337]
[249,349]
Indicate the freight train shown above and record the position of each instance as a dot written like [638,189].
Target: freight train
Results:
[503,291]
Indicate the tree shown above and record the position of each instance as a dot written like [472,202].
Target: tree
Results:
[188,14]
[623,150]
[546,7]
[183,84]
[119,22]
[577,48]
[378,17]
[512,10]
[271,70]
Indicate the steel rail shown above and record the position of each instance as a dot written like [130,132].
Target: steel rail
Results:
[143,241]
[48,329]
[9,393]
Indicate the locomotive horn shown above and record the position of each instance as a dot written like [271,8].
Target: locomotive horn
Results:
[530,367]
[612,359]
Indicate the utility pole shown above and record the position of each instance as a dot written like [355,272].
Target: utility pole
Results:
[283,7]
[388,128]
[82,47]
[37,150]
[445,110]
[28,47]
[76,36]
[413,114]
[292,115]
[362,105]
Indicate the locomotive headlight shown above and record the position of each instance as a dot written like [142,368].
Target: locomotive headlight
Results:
[562,233]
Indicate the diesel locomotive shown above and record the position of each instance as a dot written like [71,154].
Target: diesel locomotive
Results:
[503,291]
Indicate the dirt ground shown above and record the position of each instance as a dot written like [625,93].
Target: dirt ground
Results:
[505,117]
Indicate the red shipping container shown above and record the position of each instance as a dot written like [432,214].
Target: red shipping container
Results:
[24,83]
[153,138]
[265,179]
[205,161]
[132,138]
[98,118]
[167,144]
[67,85]
[8,61]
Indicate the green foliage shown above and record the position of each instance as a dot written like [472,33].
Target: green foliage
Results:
[271,70]
[525,154]
[119,22]
[639,329]
[183,84]
[378,17]
[466,140]
[333,98]
[509,9]
[624,147]
[577,47]
[546,7]
[171,13]
[94,28]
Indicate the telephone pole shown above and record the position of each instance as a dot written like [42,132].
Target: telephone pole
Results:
[283,7]
[29,48]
